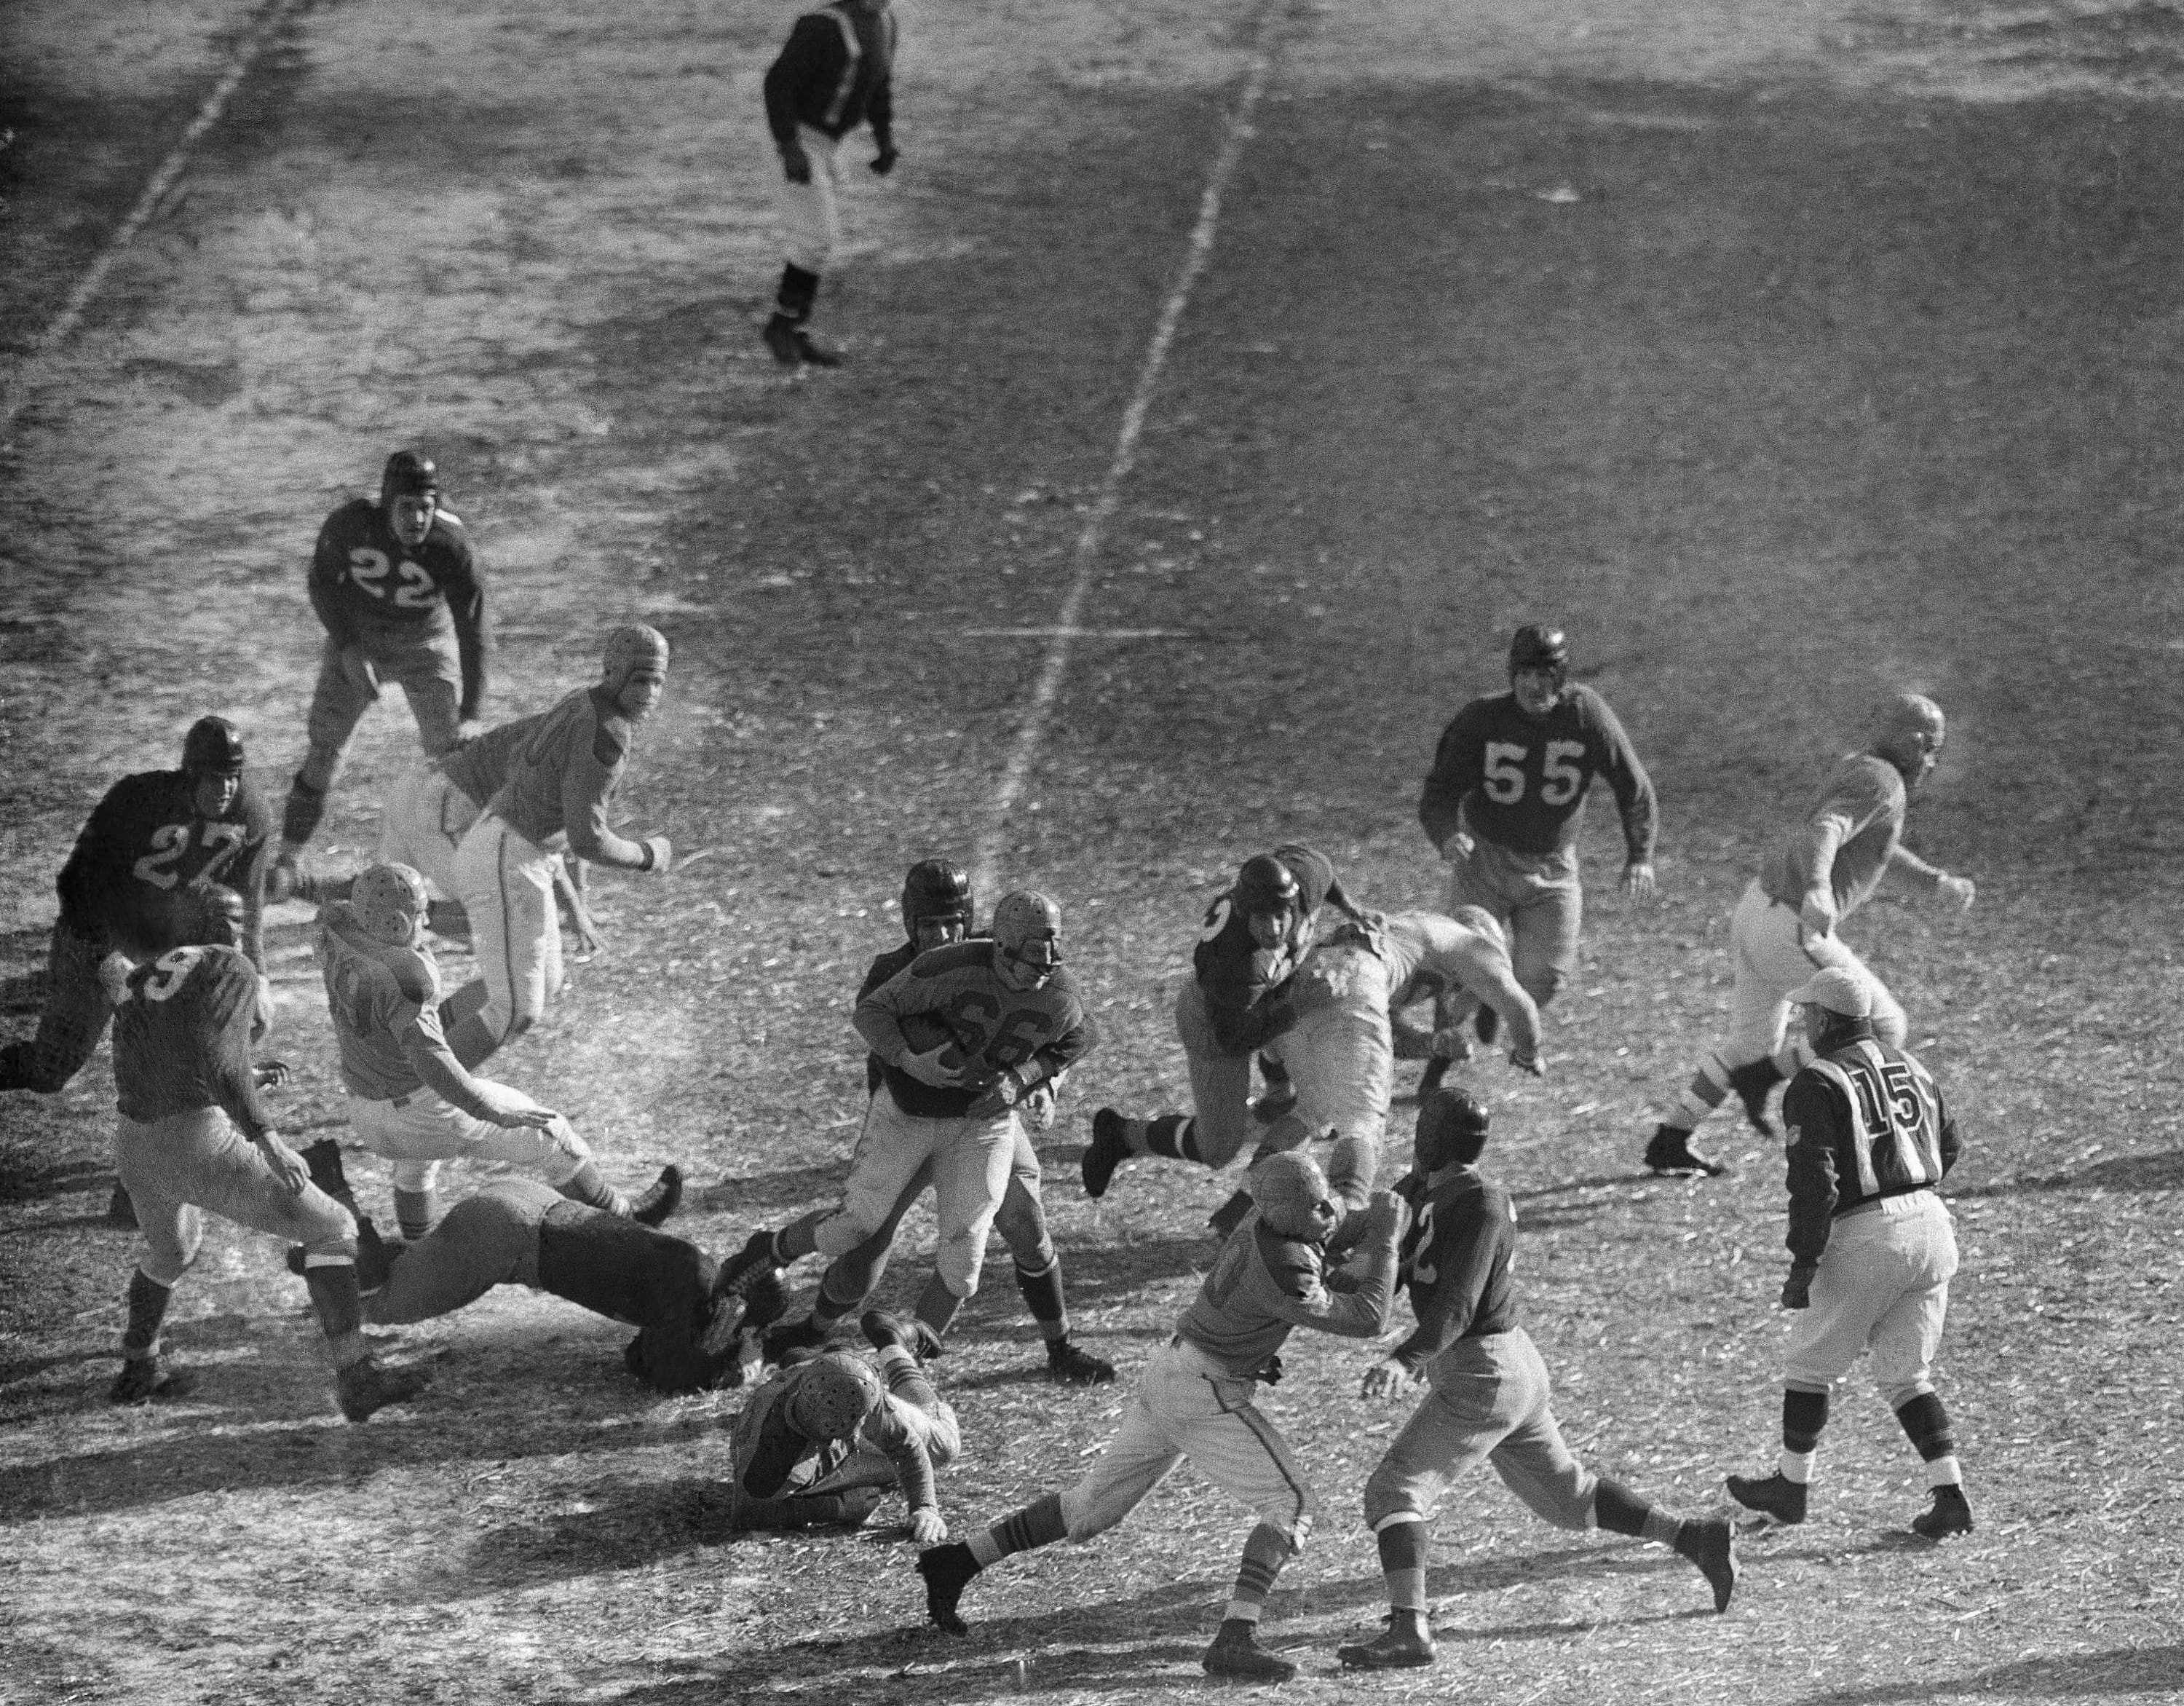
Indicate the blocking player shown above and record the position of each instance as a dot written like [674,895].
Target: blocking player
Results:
[816,1444]
[936,912]
[1242,995]
[1872,1247]
[994,1020]
[1487,1396]
[409,1099]
[560,785]
[1505,800]
[1785,928]
[1196,1400]
[395,585]
[194,1135]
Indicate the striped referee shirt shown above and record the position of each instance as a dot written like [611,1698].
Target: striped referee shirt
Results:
[1863,1121]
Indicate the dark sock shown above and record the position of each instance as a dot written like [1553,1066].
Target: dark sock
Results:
[937,1305]
[1925,1422]
[1042,1295]
[147,1308]
[1040,1523]
[799,289]
[415,1211]
[588,1186]
[1168,1135]
[1403,1561]
[335,1295]
[1803,1415]
[1617,1510]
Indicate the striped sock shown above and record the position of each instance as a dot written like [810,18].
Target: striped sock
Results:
[1264,1554]
[1040,1523]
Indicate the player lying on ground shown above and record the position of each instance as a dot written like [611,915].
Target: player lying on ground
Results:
[1487,1395]
[409,1099]
[1196,1400]
[1785,928]
[818,1444]
[194,1135]
[1242,994]
[937,912]
[1341,1054]
[1871,1244]
[966,1035]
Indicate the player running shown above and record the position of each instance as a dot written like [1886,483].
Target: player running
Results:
[967,1035]
[1785,928]
[395,584]
[560,782]
[1196,1400]
[937,912]
[410,1099]
[1487,1395]
[194,1134]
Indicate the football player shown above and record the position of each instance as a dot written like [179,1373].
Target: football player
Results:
[1196,1400]
[936,912]
[1487,1395]
[560,785]
[194,1135]
[993,1021]
[395,584]
[409,1099]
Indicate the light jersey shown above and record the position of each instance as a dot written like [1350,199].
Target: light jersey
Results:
[771,1459]
[1264,1285]
[365,580]
[1425,952]
[1843,844]
[995,1027]
[1456,1260]
[1862,1122]
[479,766]
[562,777]
[1520,781]
[182,1040]
[144,846]
[378,994]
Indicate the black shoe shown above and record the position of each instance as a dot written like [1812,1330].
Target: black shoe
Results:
[365,1388]
[947,1570]
[1487,1024]
[1407,1642]
[765,1300]
[324,1159]
[120,1211]
[741,1271]
[660,1199]
[781,338]
[1751,1084]
[882,1329]
[790,1338]
[1949,1514]
[1073,1366]
[155,1379]
[1428,1082]
[1671,1155]
[1236,1652]
[374,1255]
[1716,1558]
[1109,1150]
[1775,1497]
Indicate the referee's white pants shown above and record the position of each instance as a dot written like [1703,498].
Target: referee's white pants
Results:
[422,825]
[971,1160]
[506,885]
[1775,954]
[811,217]
[1883,1284]
[1188,1406]
[418,1131]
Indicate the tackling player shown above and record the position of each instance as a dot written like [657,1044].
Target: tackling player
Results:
[937,912]
[396,586]
[560,785]
[1196,1400]
[1785,928]
[1239,999]
[1505,800]
[194,1135]
[410,1099]
[1487,1395]
[993,1022]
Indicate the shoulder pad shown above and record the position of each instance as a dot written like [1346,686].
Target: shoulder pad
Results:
[953,957]
[610,740]
[1293,1265]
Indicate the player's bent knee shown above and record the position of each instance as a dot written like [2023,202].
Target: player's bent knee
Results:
[1898,1393]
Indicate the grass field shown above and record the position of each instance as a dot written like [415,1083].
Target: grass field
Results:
[1786,354]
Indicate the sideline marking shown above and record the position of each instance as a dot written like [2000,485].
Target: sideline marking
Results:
[1078,633]
[1067,628]
[29,374]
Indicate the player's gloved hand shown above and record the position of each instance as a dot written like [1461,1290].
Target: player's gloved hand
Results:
[506,1109]
[1006,1092]
[268,1073]
[795,163]
[658,855]
[883,162]
[926,1527]
[1816,916]
[358,670]
[1639,882]
[942,1068]
[287,1166]
[1960,890]
[1797,1289]
[1386,1380]
[1528,1063]
[1038,1108]
[1384,1217]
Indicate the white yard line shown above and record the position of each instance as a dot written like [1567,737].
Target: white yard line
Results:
[30,373]
[1031,733]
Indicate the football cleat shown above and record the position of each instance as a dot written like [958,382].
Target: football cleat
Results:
[1949,1514]
[1236,1652]
[150,1379]
[660,1199]
[365,1388]
[1669,1154]
[1406,1642]
[1108,1151]
[1071,1365]
[1717,1557]
[947,1570]
[1751,1084]
[1776,1497]
[790,1338]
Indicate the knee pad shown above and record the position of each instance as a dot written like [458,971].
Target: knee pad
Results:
[1385,1498]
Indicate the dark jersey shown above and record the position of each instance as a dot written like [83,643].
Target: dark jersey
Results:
[1520,781]
[835,71]
[366,583]
[1247,987]
[1046,1030]
[1862,1122]
[181,1041]
[1455,1261]
[881,971]
[144,845]
[650,1280]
